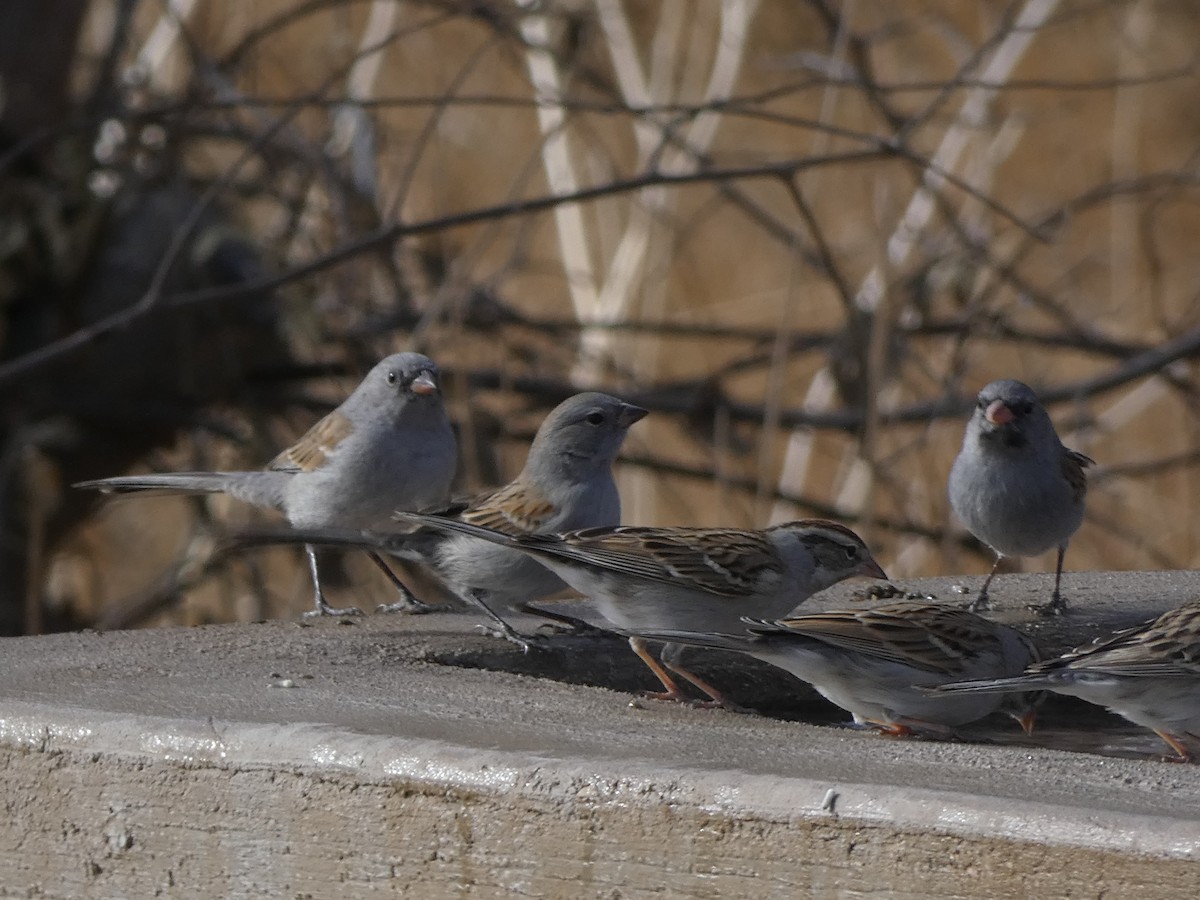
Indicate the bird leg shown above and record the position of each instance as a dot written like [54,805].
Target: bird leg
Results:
[408,602]
[1184,755]
[981,602]
[322,607]
[501,629]
[672,691]
[1057,605]
[671,656]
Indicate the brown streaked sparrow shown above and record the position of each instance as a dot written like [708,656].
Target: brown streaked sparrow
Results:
[1149,674]
[645,579]
[1014,485]
[388,446]
[874,662]
[567,482]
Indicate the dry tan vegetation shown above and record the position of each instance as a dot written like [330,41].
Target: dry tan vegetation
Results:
[807,234]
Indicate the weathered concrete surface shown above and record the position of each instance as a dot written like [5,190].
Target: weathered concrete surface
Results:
[179,762]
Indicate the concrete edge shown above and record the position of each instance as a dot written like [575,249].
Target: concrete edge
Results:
[440,767]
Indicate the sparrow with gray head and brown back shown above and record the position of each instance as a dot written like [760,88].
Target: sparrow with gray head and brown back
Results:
[1149,674]
[1014,485]
[566,483]
[874,662]
[646,579]
[388,446]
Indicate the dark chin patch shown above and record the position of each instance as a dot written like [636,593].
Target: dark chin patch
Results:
[1006,436]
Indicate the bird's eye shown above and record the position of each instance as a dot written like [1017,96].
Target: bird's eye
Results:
[392,377]
[851,552]
[595,418]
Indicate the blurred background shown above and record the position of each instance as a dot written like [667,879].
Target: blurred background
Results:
[803,234]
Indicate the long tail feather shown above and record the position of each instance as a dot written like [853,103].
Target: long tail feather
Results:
[173,482]
[993,685]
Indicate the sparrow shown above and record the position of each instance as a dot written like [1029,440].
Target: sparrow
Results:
[567,482]
[1149,674]
[388,446]
[646,579]
[874,662]
[1014,485]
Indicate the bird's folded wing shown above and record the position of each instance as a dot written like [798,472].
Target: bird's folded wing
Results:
[315,446]
[1073,465]
[1166,647]
[513,509]
[926,636]
[725,562]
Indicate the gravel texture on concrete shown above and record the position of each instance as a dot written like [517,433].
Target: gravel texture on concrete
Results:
[412,754]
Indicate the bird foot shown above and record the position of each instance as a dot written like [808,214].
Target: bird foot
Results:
[572,626]
[722,703]
[1182,760]
[1056,607]
[324,609]
[982,603]
[411,606]
[561,629]
[560,623]
[683,699]
[526,644]
[667,697]
[887,729]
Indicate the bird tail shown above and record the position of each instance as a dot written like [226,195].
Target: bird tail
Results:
[993,685]
[448,525]
[267,489]
[714,640]
[171,483]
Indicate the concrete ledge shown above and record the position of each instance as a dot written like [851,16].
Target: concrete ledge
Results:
[403,761]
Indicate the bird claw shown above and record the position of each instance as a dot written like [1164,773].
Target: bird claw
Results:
[1175,758]
[727,705]
[982,603]
[667,697]
[411,606]
[324,609]
[1055,607]
[684,700]
[560,623]
[526,644]
[578,628]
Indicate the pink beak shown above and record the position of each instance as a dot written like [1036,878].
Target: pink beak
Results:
[998,414]
[424,384]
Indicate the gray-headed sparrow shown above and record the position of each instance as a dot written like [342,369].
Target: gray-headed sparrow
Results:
[567,482]
[389,446]
[1149,674]
[1014,485]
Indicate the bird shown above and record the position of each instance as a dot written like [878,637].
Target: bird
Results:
[1149,674]
[1014,485]
[645,578]
[873,662]
[567,482]
[388,446]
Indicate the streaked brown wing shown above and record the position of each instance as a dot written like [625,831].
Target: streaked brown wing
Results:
[513,509]
[313,448]
[928,636]
[1169,646]
[721,561]
[1073,465]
